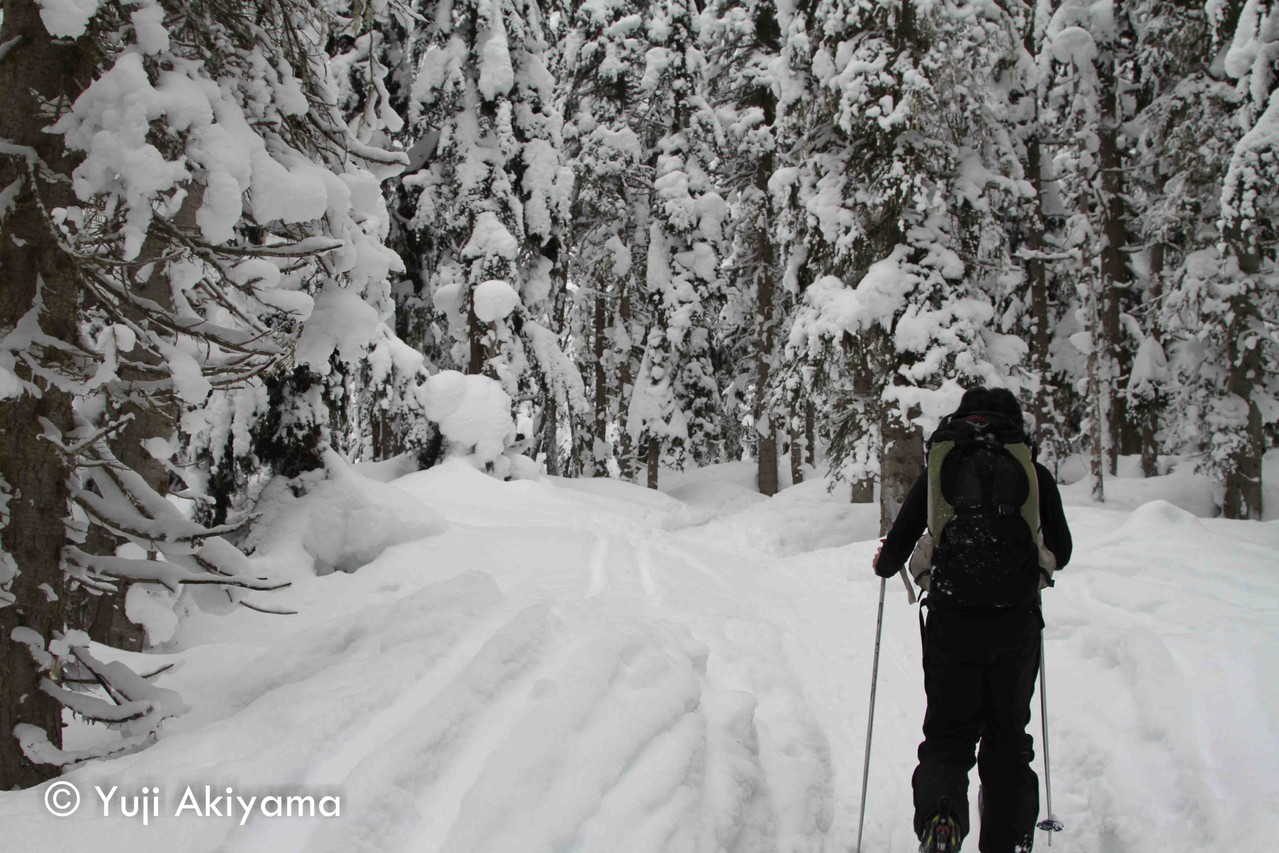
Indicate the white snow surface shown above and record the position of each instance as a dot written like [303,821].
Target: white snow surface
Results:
[587,665]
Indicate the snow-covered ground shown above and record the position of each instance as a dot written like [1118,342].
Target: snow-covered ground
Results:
[556,665]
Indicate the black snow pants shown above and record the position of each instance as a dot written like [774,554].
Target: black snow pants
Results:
[979,676]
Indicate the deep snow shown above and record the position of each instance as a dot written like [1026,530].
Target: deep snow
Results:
[554,665]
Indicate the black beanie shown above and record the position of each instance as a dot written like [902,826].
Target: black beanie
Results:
[998,400]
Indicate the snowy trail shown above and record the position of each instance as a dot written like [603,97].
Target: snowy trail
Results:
[591,666]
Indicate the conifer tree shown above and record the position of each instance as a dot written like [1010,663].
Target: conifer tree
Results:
[1243,292]
[746,54]
[606,127]
[673,410]
[910,160]
[184,196]
[490,193]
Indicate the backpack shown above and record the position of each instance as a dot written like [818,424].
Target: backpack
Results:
[983,513]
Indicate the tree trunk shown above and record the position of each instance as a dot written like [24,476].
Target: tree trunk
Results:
[1037,279]
[599,465]
[767,38]
[1096,432]
[474,340]
[765,424]
[862,491]
[625,383]
[796,457]
[33,473]
[1117,281]
[1150,415]
[810,433]
[654,458]
[901,462]
[550,434]
[1243,499]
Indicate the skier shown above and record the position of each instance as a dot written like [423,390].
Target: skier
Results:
[998,532]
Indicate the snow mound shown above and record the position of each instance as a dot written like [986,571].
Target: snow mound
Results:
[1195,493]
[344,521]
[1156,517]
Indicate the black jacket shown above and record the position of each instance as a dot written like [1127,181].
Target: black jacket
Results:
[912,521]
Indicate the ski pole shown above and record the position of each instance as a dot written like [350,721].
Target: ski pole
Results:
[870,720]
[1049,824]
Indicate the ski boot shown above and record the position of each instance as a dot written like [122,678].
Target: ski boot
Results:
[942,832]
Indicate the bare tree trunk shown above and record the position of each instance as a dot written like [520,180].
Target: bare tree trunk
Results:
[1150,419]
[625,382]
[767,37]
[654,458]
[1122,437]
[475,339]
[35,71]
[901,462]
[796,457]
[1037,278]
[862,491]
[1096,432]
[551,409]
[1243,498]
[1036,269]
[765,424]
[599,466]
[810,433]
[550,433]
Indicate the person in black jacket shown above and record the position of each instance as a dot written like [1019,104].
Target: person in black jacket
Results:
[980,665]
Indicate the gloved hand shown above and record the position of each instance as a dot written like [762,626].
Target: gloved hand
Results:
[884,569]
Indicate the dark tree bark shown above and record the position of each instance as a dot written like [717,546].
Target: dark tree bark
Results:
[625,382]
[765,423]
[796,457]
[810,433]
[599,467]
[767,39]
[1037,278]
[37,70]
[901,462]
[1121,436]
[1149,415]
[654,457]
[1243,497]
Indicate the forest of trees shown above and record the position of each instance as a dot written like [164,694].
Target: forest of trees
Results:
[652,233]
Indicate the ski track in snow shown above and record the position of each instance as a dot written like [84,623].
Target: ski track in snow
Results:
[591,666]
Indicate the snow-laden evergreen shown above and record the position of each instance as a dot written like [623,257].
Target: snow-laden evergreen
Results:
[490,189]
[607,125]
[222,225]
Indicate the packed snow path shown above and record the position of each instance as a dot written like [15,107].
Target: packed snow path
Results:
[564,665]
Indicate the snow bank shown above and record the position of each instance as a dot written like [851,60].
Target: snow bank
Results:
[1195,493]
[576,665]
[344,520]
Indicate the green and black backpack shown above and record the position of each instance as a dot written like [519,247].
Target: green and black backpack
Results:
[983,513]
